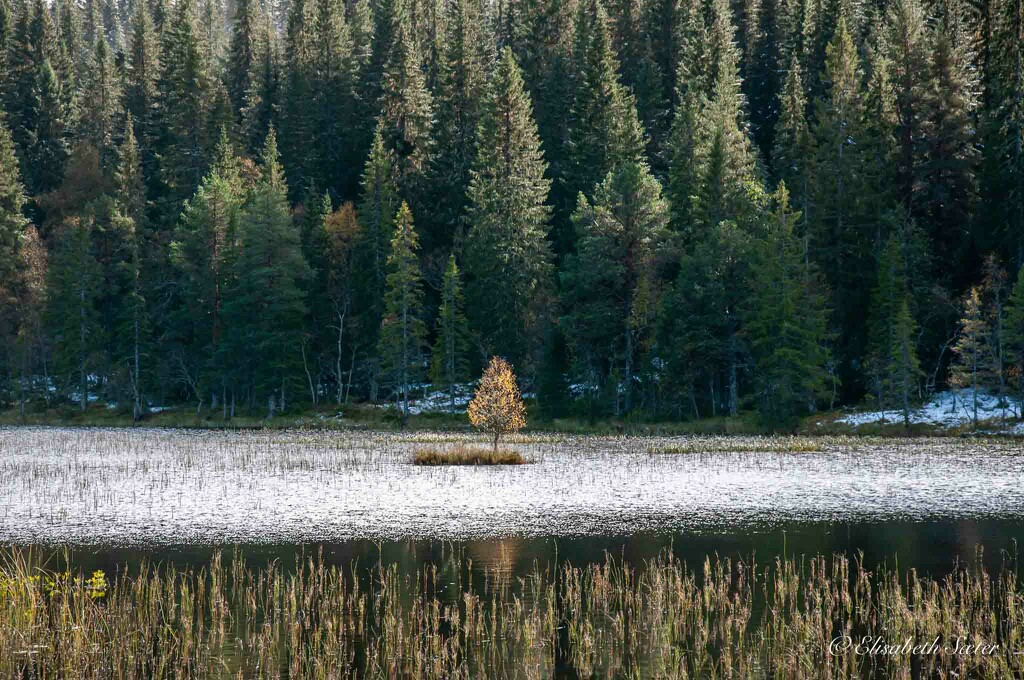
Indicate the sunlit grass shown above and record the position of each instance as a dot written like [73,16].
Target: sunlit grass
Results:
[741,444]
[463,454]
[660,619]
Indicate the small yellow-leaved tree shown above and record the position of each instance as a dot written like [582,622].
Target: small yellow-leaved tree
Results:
[497,407]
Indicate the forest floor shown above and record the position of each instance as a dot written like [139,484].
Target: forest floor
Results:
[947,413]
[943,416]
[950,412]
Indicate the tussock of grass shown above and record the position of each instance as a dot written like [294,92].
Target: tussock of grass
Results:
[468,455]
[741,445]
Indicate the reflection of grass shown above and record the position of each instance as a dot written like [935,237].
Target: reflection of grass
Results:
[661,618]
[468,455]
[741,444]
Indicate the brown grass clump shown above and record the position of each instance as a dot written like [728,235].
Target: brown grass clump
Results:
[462,454]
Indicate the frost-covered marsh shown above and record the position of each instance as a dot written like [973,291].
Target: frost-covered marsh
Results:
[133,487]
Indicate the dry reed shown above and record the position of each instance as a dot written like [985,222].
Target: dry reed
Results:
[661,619]
[462,454]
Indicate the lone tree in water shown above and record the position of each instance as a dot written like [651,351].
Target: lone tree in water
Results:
[497,407]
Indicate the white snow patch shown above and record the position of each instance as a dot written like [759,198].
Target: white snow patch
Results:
[951,408]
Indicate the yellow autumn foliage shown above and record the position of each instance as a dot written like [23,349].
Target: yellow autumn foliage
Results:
[497,406]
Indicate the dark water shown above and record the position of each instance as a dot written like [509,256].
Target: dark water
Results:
[933,548]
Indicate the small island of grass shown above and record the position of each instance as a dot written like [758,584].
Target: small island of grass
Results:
[468,455]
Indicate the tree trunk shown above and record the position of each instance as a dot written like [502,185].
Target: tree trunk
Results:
[628,406]
[337,359]
[136,377]
[309,376]
[83,398]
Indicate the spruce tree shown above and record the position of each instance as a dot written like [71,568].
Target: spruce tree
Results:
[212,19]
[243,61]
[265,306]
[48,150]
[6,31]
[12,221]
[906,38]
[971,368]
[611,284]
[259,113]
[140,88]
[905,369]
[331,90]
[407,111]
[701,323]
[792,139]
[891,361]
[789,323]
[508,261]
[948,188]
[184,100]
[13,226]
[725,171]
[887,299]
[544,53]
[839,236]
[26,50]
[1013,333]
[461,90]
[296,115]
[878,143]
[72,54]
[129,215]
[604,129]
[450,362]
[101,104]
[682,182]
[403,332]
[1005,128]
[653,105]
[202,253]
[75,279]
[377,209]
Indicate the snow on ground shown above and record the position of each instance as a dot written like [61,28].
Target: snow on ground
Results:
[440,402]
[949,409]
[427,400]
[145,487]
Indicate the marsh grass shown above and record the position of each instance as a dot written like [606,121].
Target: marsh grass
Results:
[661,618]
[465,454]
[741,445]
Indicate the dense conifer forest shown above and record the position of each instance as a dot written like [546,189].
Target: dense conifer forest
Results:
[674,208]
